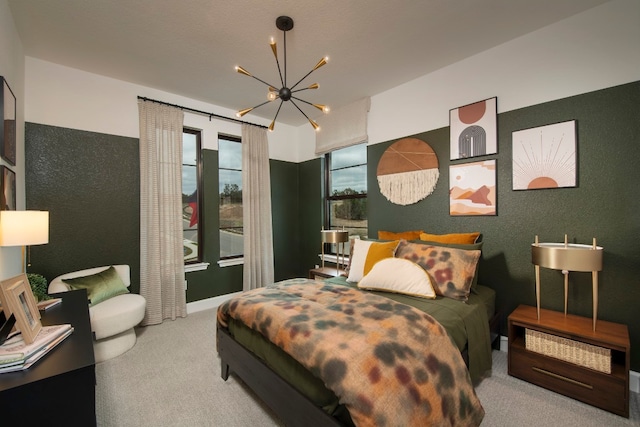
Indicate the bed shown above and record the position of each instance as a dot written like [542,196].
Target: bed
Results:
[294,388]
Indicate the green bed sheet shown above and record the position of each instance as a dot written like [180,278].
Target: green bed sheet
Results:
[467,324]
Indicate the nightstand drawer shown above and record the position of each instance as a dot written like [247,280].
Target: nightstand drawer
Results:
[589,386]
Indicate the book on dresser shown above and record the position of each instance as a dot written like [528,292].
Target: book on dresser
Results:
[16,354]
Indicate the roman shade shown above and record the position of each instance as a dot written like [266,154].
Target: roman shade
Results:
[343,127]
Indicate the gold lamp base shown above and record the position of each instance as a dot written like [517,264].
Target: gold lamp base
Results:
[568,257]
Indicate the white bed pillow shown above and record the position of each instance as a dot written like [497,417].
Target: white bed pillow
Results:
[400,276]
[366,254]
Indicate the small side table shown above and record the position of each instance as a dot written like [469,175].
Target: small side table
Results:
[322,273]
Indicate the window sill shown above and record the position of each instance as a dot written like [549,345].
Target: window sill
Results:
[230,262]
[188,268]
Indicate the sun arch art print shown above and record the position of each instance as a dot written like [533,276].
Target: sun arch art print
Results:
[545,157]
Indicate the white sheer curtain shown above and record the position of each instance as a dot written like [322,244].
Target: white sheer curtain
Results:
[256,207]
[161,242]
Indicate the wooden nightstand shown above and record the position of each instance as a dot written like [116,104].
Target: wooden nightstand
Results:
[321,273]
[608,391]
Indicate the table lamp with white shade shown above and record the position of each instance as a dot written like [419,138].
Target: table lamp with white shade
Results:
[24,228]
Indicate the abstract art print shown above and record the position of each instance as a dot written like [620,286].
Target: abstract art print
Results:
[8,124]
[472,188]
[473,129]
[545,157]
[8,180]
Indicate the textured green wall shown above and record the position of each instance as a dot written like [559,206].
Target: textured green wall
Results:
[89,183]
[604,205]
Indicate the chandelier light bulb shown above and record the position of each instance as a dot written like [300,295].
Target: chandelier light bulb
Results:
[271,96]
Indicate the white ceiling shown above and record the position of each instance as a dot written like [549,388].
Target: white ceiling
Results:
[190,47]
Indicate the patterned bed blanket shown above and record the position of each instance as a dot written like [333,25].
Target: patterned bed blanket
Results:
[389,363]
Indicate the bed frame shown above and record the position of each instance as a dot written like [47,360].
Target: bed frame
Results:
[291,406]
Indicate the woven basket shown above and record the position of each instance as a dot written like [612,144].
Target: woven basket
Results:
[578,353]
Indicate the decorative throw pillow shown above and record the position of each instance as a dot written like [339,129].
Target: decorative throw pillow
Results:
[451,270]
[469,247]
[100,286]
[464,238]
[365,254]
[398,275]
[407,235]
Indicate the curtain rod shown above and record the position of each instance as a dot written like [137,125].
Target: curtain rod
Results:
[204,113]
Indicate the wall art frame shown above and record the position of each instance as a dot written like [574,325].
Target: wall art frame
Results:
[474,129]
[18,297]
[545,156]
[8,125]
[472,189]
[8,185]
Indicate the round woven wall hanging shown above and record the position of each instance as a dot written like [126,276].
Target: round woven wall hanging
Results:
[408,171]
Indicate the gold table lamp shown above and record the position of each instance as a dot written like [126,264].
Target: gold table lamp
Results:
[339,237]
[568,257]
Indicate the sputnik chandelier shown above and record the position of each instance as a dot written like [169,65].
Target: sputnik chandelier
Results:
[285,93]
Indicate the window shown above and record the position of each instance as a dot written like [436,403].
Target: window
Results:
[230,190]
[346,191]
[191,203]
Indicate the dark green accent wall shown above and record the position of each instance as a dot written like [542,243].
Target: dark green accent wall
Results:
[604,205]
[89,183]
[310,201]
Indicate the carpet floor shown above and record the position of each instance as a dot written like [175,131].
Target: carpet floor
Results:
[172,378]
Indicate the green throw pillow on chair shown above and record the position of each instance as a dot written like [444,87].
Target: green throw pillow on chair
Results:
[100,286]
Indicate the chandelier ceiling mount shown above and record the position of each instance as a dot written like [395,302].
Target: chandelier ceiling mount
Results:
[285,93]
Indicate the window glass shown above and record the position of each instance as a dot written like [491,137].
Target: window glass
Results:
[230,195]
[346,192]
[191,215]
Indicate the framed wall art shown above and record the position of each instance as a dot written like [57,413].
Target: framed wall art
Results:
[472,188]
[18,297]
[473,129]
[545,156]
[8,125]
[8,184]
[407,171]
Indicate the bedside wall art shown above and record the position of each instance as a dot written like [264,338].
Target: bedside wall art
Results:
[472,188]
[473,129]
[545,156]
[407,171]
[8,125]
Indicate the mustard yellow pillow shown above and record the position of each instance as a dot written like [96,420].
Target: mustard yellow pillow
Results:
[365,254]
[459,238]
[406,235]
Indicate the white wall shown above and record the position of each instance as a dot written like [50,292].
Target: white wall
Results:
[12,69]
[71,98]
[597,49]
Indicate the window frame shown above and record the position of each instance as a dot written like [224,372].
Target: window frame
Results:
[233,259]
[328,197]
[199,189]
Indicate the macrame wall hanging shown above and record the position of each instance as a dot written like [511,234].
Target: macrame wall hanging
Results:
[408,171]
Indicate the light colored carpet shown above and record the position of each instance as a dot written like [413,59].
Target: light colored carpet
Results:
[172,378]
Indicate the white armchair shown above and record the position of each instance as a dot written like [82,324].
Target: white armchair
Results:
[113,320]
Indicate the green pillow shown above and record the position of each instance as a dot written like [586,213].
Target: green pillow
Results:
[100,286]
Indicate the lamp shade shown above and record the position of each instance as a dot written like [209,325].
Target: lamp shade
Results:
[334,236]
[567,256]
[24,228]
